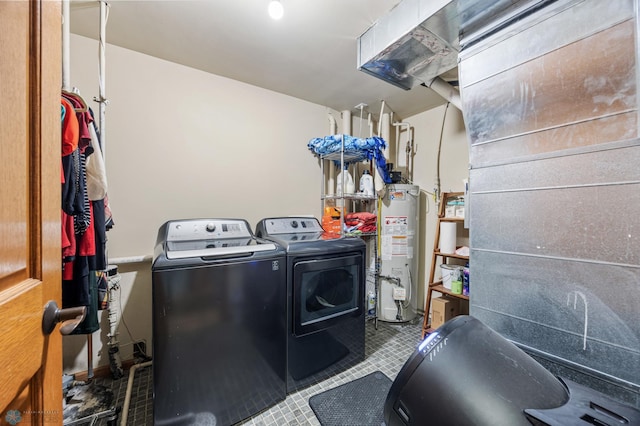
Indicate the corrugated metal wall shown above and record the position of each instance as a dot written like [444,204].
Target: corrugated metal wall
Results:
[551,108]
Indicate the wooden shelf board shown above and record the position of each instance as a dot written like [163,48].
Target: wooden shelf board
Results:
[451,219]
[441,289]
[452,255]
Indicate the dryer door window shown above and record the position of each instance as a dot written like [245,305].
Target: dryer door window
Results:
[325,291]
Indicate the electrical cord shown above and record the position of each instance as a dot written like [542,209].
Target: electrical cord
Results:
[144,356]
[122,320]
[408,297]
[438,187]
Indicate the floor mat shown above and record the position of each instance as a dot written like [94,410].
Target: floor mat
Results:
[360,402]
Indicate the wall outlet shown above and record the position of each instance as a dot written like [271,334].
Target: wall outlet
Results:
[139,349]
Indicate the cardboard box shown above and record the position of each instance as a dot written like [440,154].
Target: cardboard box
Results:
[443,309]
[463,308]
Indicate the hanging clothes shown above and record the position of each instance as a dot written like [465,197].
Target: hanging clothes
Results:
[85,213]
[82,218]
[70,128]
[96,172]
[90,324]
[101,184]
[97,190]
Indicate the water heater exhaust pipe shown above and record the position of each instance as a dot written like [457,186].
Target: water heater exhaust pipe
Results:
[446,90]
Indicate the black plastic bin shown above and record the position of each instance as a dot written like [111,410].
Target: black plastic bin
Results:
[467,374]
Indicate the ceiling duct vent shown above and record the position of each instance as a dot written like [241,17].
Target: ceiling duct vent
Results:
[414,43]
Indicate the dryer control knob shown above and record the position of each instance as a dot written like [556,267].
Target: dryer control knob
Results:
[211,227]
[294,224]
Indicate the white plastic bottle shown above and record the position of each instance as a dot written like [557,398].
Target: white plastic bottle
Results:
[371,303]
[349,183]
[339,183]
[366,183]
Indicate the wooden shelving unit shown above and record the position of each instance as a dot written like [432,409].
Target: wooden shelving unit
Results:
[437,255]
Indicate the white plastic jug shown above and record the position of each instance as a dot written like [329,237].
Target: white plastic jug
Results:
[366,183]
[371,303]
[349,184]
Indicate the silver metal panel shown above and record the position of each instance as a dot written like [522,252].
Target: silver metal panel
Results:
[565,87]
[618,165]
[562,140]
[583,312]
[207,229]
[292,225]
[551,111]
[479,17]
[589,223]
[556,26]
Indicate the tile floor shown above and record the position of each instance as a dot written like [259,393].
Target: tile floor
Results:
[387,349]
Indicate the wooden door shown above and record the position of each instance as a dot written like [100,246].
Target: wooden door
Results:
[30,258]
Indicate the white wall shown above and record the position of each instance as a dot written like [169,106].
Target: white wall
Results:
[454,167]
[182,143]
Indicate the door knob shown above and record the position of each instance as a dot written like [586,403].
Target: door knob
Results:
[69,317]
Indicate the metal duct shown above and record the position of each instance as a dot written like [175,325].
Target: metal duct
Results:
[551,108]
[419,40]
[414,43]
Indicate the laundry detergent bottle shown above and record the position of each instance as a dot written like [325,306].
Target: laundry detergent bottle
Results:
[366,183]
[349,184]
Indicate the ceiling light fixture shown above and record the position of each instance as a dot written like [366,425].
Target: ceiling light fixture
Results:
[275,9]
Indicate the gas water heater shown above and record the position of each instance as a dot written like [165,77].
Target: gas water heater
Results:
[398,274]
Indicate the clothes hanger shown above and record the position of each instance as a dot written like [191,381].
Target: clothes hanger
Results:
[77,97]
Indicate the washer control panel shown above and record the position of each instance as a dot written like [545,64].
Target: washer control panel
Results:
[292,225]
[207,229]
